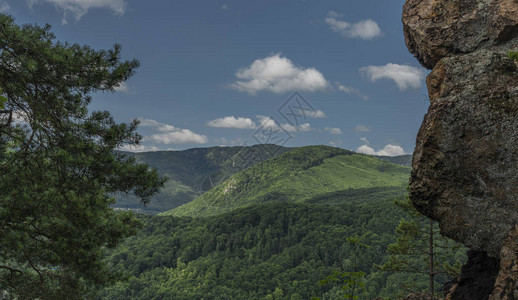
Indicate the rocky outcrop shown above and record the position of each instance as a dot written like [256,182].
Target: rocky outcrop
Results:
[435,29]
[465,164]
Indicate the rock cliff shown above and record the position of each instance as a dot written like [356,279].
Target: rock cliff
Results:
[465,164]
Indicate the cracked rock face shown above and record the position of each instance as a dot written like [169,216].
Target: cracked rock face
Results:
[465,164]
[439,28]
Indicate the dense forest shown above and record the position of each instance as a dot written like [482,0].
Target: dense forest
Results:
[265,251]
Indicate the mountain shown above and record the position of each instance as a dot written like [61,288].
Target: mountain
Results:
[314,174]
[194,171]
[274,231]
[404,160]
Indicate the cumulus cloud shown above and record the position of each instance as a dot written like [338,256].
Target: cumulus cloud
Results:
[362,128]
[269,123]
[351,90]
[123,88]
[233,122]
[365,140]
[365,29]
[278,75]
[171,134]
[404,76]
[388,150]
[317,114]
[148,122]
[305,127]
[138,148]
[182,136]
[78,8]
[333,130]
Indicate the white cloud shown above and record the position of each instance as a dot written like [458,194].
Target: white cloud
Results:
[79,8]
[4,6]
[365,29]
[138,148]
[123,88]
[317,114]
[388,150]
[148,122]
[182,136]
[278,75]
[269,123]
[233,122]
[365,140]
[351,90]
[333,130]
[224,7]
[404,76]
[362,128]
[171,134]
[305,127]
[289,127]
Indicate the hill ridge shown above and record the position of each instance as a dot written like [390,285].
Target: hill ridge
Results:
[300,175]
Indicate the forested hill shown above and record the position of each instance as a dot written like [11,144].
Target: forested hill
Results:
[265,251]
[194,171]
[315,174]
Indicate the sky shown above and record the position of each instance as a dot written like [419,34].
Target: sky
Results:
[232,73]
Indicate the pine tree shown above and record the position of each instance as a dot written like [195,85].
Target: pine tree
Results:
[58,167]
[421,249]
[350,282]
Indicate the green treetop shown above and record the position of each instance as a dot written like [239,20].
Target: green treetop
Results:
[58,169]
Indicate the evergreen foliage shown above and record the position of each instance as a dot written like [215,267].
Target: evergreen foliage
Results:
[264,251]
[421,249]
[57,165]
[350,282]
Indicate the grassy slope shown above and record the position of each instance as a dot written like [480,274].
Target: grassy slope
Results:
[317,174]
[194,171]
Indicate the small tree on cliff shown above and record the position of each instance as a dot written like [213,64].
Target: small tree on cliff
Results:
[58,169]
[421,249]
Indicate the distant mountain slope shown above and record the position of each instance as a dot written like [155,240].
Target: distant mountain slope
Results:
[317,174]
[194,171]
[404,160]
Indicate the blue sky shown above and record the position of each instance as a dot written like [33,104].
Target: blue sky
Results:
[224,72]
